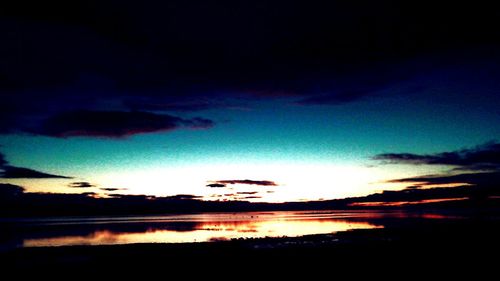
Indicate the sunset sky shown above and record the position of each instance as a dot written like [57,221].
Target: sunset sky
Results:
[245,100]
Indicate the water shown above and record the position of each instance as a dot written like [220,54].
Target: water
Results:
[186,228]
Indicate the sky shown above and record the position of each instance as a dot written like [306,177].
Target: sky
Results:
[246,100]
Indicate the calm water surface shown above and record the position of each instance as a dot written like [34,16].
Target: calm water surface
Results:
[188,228]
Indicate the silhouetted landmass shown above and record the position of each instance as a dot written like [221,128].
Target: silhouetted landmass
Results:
[14,202]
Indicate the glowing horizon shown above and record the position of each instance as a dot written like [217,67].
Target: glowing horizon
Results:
[294,182]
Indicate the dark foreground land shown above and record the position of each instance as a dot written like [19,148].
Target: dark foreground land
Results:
[412,247]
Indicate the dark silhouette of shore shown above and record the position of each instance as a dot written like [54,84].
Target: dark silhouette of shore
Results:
[418,245]
[14,202]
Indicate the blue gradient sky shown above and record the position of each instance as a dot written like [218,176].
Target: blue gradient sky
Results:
[271,135]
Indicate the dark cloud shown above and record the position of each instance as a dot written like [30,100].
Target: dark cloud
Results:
[482,157]
[414,186]
[178,104]
[161,56]
[334,99]
[11,172]
[81,184]
[490,178]
[111,189]
[132,197]
[345,87]
[216,185]
[247,193]
[246,181]
[88,193]
[250,197]
[184,197]
[478,166]
[3,162]
[115,124]
[422,195]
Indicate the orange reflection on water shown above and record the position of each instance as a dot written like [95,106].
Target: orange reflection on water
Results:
[210,231]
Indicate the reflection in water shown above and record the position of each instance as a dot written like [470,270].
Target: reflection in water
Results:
[210,231]
[195,227]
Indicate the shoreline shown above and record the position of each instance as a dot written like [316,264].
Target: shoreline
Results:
[185,229]
[456,241]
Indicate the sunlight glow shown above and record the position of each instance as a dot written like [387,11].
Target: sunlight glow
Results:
[295,182]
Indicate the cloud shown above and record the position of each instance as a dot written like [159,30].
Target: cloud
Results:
[246,182]
[478,166]
[3,162]
[480,191]
[111,189]
[484,157]
[482,178]
[333,99]
[115,124]
[81,184]
[132,196]
[184,197]
[216,185]
[250,197]
[170,104]
[416,186]
[11,172]
[183,56]
[89,193]
[247,193]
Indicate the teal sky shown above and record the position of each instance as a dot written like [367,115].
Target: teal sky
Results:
[268,133]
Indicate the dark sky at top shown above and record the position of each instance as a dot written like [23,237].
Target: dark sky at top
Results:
[178,55]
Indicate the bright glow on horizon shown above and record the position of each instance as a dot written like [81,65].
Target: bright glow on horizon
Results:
[295,182]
